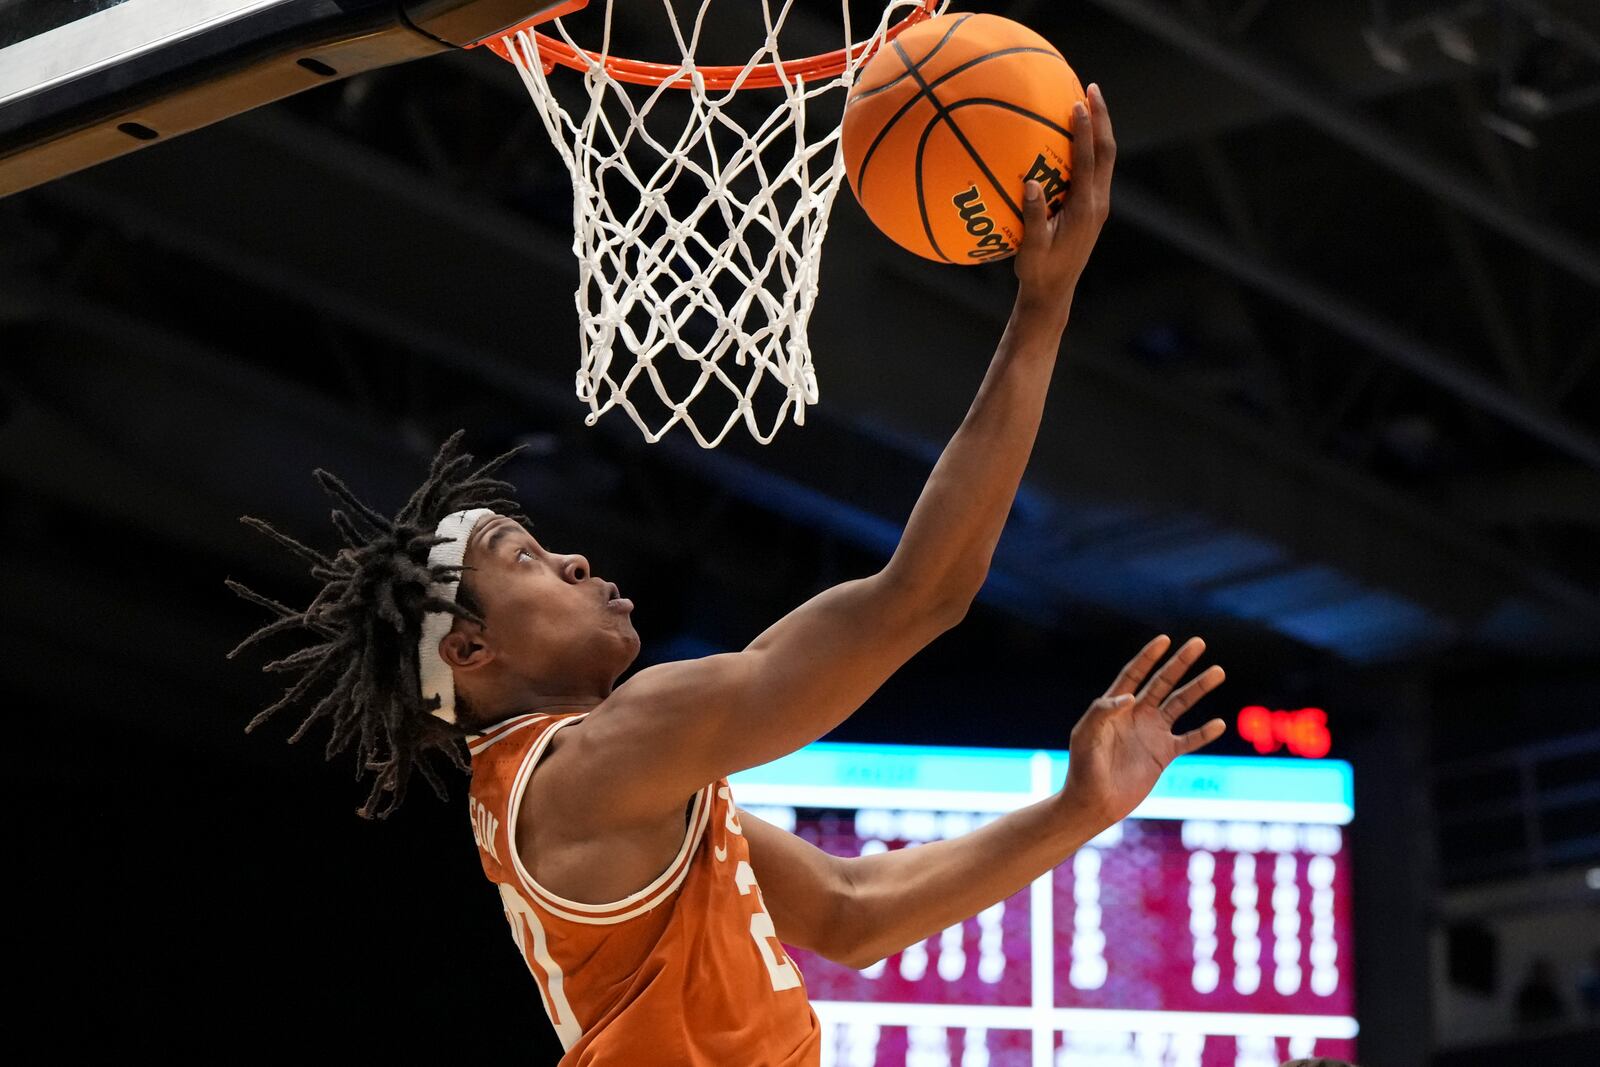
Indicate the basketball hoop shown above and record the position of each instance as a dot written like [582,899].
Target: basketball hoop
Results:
[698,249]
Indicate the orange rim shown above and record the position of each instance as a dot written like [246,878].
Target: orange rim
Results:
[556,52]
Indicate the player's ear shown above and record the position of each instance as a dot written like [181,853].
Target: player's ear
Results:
[463,648]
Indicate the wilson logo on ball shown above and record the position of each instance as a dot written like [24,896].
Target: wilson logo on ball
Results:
[1047,176]
[975,216]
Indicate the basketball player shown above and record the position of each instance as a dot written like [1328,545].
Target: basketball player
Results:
[649,910]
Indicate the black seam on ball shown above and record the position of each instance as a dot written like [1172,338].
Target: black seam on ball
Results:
[898,78]
[922,200]
[943,113]
[1006,105]
[861,171]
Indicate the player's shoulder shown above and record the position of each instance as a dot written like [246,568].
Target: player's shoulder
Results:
[508,736]
[658,703]
[585,778]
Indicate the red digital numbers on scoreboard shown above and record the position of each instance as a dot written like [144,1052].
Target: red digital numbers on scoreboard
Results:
[1303,732]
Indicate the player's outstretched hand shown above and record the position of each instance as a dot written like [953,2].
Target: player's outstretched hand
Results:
[1055,249]
[1125,740]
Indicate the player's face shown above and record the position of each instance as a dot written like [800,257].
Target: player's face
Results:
[548,618]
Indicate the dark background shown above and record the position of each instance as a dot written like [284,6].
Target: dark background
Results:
[1328,399]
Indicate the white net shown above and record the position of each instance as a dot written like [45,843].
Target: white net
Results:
[699,216]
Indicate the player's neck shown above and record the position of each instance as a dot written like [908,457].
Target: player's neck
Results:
[534,700]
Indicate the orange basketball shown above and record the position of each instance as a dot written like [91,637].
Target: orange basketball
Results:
[945,124]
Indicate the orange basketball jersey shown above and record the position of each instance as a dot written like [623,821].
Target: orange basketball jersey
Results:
[686,972]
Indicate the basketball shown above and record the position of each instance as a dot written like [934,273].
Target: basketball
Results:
[946,123]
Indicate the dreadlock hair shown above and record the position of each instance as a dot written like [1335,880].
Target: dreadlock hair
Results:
[366,621]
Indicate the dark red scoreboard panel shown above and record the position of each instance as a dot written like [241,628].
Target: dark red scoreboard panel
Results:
[1210,929]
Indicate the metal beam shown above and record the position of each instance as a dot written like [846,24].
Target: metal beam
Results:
[1384,149]
[1449,373]
[1116,426]
[1546,494]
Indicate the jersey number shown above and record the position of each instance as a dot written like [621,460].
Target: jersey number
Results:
[780,968]
[552,984]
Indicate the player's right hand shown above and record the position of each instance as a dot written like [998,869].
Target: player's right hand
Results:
[1055,249]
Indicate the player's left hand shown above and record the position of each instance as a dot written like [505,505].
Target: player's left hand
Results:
[1125,740]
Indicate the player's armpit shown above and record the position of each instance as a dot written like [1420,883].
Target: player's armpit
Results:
[804,888]
[674,727]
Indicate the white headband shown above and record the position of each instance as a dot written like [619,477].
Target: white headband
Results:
[432,670]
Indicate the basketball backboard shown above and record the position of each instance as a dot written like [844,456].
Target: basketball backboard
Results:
[82,81]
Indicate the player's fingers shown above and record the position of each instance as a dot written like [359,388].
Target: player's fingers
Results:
[1200,737]
[1172,671]
[1035,216]
[1107,705]
[1083,161]
[1135,669]
[1187,697]
[1105,146]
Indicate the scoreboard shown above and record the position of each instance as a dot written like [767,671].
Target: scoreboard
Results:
[1211,928]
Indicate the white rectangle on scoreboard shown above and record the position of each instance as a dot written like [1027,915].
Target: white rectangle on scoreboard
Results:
[997,1017]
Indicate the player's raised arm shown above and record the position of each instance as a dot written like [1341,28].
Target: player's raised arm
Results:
[676,726]
[857,911]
